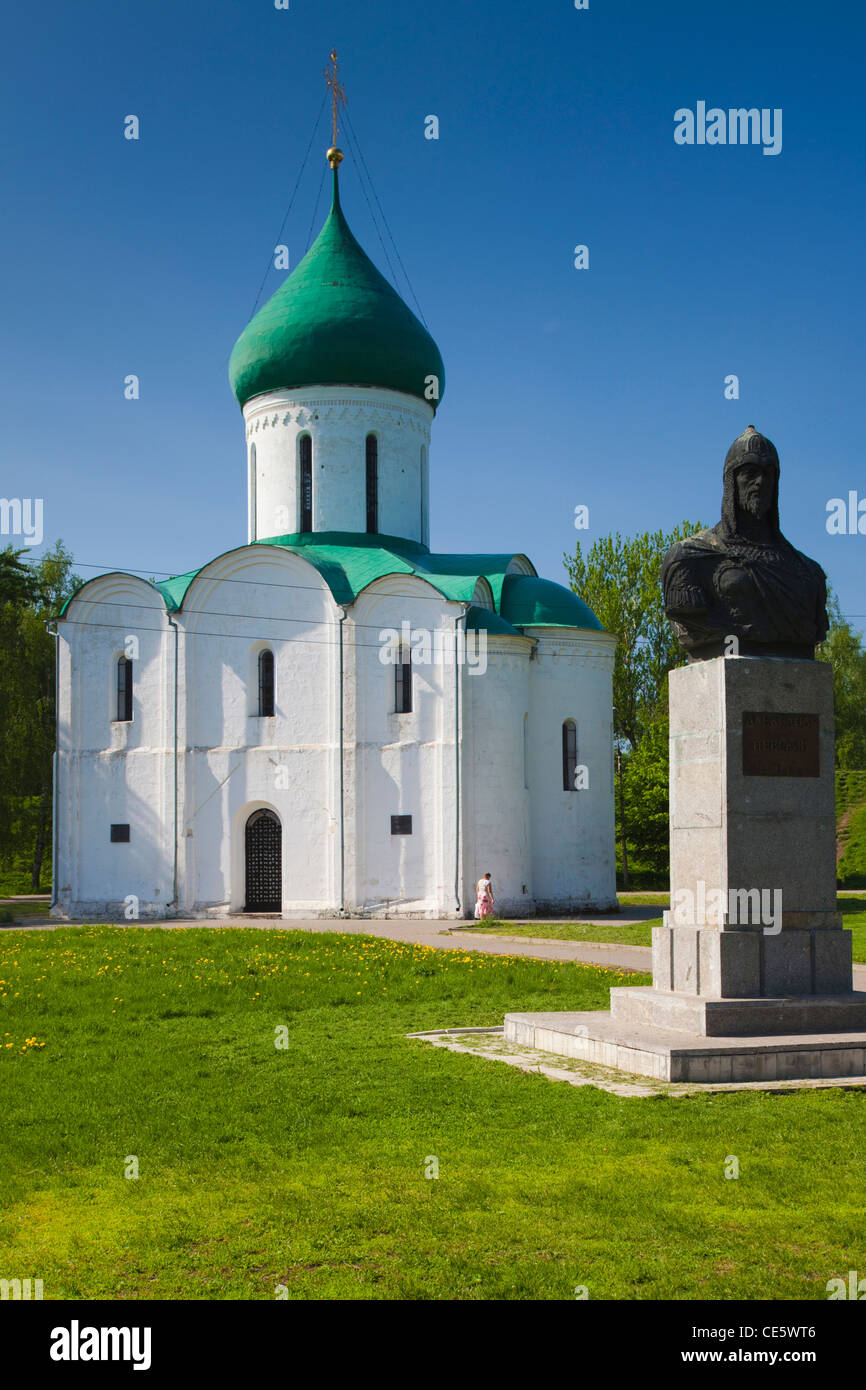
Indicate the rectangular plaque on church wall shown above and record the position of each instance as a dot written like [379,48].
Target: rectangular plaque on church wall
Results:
[401,825]
[780,745]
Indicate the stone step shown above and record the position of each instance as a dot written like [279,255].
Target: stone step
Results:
[669,1055]
[647,1007]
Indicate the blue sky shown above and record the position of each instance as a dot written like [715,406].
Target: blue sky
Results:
[602,387]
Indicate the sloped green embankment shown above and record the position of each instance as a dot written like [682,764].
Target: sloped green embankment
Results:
[851,829]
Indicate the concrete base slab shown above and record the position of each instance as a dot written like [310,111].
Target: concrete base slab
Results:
[490,1044]
[678,1056]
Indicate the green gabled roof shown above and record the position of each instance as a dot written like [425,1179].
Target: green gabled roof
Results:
[349,561]
[335,321]
[528,601]
[174,590]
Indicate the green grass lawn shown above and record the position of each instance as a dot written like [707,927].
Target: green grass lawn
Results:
[659,899]
[851,827]
[640,934]
[12,912]
[854,916]
[18,880]
[306,1166]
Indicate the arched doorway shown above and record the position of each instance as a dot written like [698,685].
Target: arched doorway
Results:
[264,863]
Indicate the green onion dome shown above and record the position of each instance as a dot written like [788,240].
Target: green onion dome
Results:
[336,321]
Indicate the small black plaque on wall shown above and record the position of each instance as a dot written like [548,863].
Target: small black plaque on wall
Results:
[120,834]
[401,825]
[780,745]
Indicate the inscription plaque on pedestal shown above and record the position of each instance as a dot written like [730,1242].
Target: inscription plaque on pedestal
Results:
[780,745]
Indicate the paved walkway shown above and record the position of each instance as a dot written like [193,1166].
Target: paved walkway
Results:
[445,935]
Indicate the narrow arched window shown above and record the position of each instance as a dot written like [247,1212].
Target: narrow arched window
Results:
[251,493]
[124,690]
[403,682]
[306,457]
[372,484]
[569,755]
[266,684]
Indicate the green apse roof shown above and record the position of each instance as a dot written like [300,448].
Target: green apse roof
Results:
[482,620]
[528,601]
[335,321]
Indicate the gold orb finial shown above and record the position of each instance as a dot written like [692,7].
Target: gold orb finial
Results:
[335,157]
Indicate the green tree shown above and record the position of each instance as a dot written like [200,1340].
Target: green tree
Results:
[30,596]
[620,580]
[646,797]
[843,650]
[17,583]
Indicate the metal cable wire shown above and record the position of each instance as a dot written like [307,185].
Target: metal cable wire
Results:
[108,571]
[295,641]
[248,617]
[315,211]
[353,144]
[351,129]
[291,202]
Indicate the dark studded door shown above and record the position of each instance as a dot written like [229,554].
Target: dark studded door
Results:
[264,858]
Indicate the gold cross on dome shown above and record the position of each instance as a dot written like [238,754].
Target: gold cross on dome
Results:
[338,95]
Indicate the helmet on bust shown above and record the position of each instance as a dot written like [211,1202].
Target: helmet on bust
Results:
[752,447]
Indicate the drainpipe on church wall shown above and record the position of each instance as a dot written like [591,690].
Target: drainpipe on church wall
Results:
[51,629]
[617,742]
[342,619]
[173,902]
[457,621]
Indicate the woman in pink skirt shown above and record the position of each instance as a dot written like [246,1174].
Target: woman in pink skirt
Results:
[484,905]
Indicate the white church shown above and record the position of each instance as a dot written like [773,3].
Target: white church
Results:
[333,719]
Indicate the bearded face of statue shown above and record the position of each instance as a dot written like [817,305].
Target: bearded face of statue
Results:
[755,485]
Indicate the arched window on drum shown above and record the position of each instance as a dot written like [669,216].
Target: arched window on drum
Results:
[569,756]
[372,485]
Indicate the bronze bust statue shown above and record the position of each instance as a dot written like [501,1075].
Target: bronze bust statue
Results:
[742,579]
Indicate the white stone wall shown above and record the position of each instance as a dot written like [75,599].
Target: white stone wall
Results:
[496,802]
[400,764]
[236,762]
[338,420]
[546,848]
[230,761]
[108,772]
[571,677]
